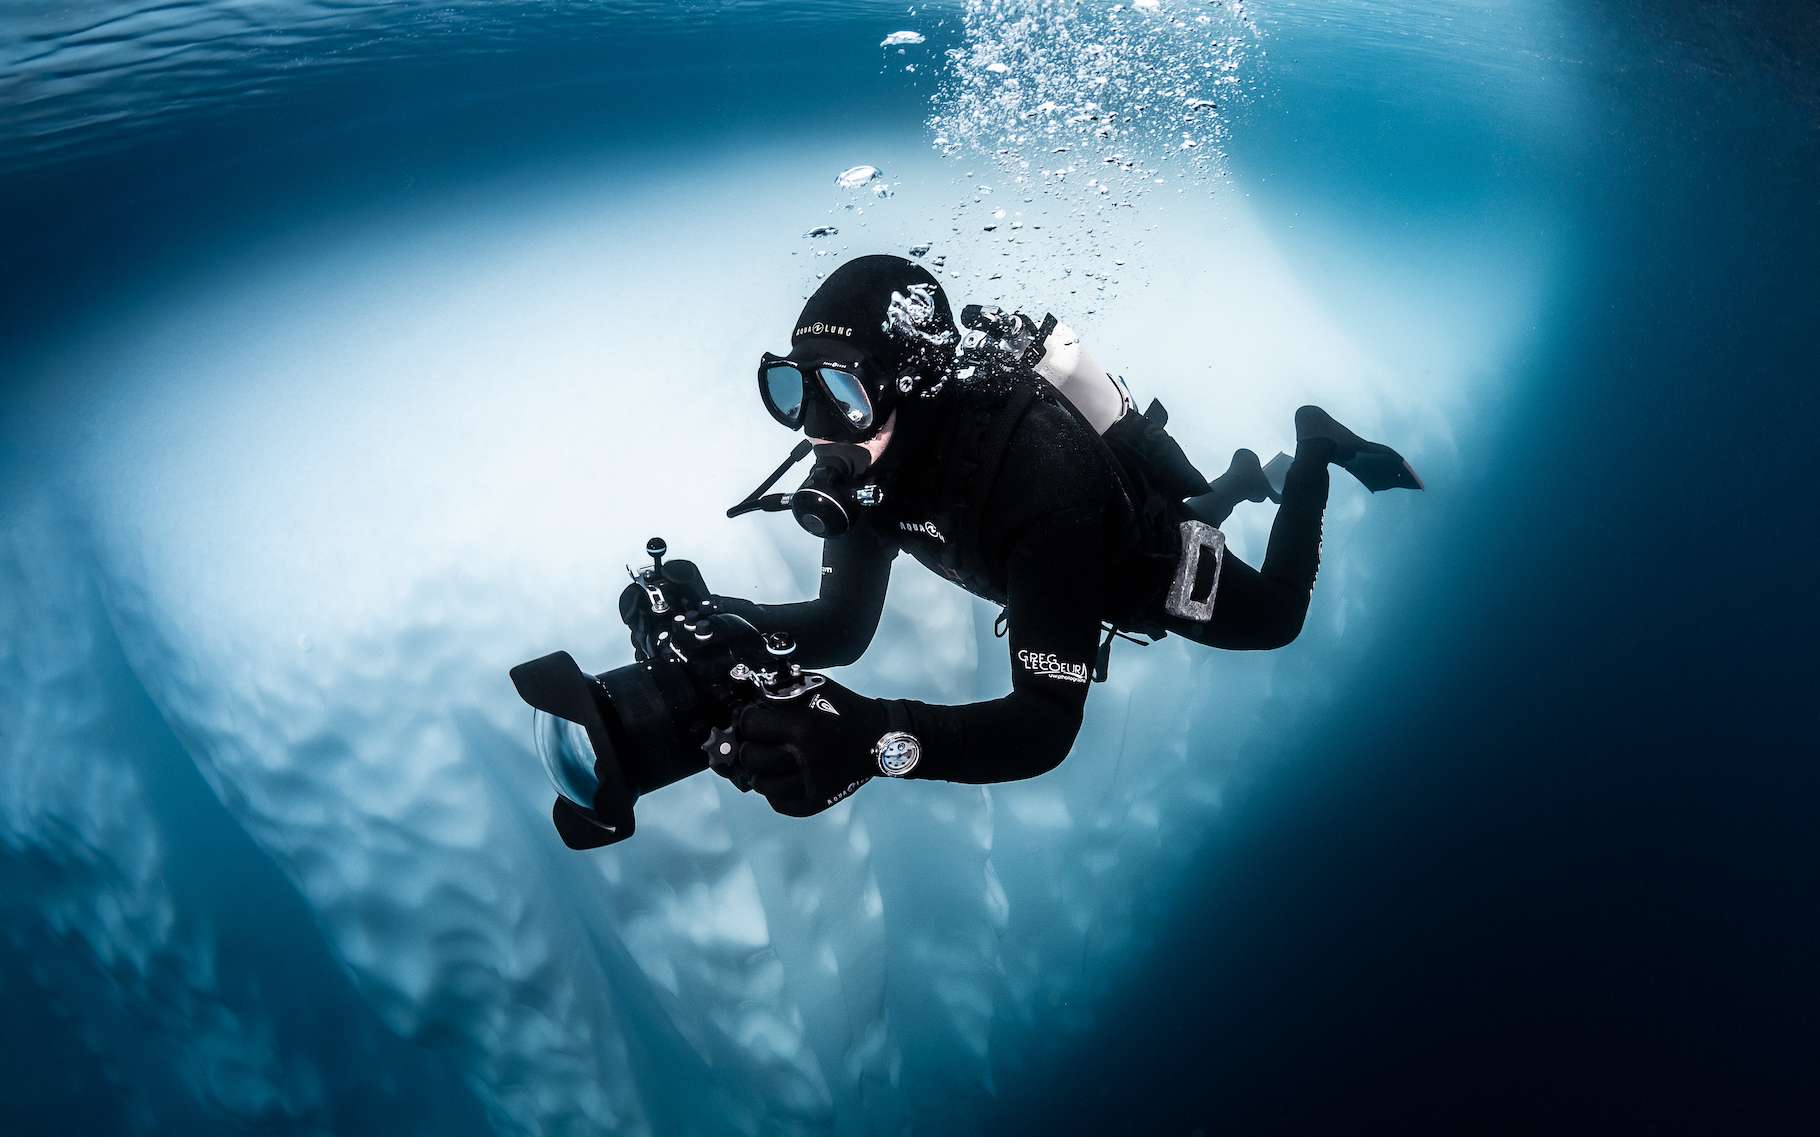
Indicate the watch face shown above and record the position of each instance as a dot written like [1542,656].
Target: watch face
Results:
[897,753]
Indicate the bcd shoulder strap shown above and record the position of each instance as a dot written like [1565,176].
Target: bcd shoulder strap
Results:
[972,468]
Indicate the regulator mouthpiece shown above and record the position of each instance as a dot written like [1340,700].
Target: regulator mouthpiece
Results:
[827,501]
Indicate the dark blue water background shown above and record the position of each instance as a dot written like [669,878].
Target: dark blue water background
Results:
[1557,867]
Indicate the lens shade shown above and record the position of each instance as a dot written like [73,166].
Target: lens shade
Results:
[554,685]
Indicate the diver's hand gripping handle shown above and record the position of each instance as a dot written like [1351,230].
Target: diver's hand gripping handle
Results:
[659,591]
[777,679]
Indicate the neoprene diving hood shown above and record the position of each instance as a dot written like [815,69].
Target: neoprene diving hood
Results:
[888,316]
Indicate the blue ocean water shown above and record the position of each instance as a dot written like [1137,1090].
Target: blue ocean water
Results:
[323,323]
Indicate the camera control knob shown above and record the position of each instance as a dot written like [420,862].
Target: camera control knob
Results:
[780,645]
[722,749]
[655,548]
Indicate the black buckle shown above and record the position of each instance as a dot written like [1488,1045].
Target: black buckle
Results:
[1033,354]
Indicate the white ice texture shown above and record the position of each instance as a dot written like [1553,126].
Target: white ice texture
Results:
[259,741]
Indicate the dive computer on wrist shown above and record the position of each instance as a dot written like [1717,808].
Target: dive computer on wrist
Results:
[898,751]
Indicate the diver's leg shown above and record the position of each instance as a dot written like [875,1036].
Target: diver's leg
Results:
[1258,609]
[1294,554]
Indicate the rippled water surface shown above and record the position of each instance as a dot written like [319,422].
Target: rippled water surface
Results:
[351,348]
[91,75]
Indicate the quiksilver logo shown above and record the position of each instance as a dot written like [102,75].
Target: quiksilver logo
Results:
[1046,665]
[926,528]
[820,329]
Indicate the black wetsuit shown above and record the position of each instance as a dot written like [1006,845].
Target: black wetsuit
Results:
[1053,546]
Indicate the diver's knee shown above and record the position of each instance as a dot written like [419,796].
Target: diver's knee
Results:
[1257,631]
[1288,625]
[1282,637]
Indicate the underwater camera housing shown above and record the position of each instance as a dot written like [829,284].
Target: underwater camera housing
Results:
[608,739]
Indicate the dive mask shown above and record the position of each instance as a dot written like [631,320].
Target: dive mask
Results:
[827,399]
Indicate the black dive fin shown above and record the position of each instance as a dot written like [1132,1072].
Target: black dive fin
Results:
[1276,472]
[1376,465]
[1244,480]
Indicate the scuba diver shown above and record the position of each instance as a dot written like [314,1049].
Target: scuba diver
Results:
[997,452]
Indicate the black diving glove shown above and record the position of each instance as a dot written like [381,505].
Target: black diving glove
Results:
[684,589]
[810,752]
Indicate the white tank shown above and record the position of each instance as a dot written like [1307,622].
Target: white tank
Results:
[1101,399]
